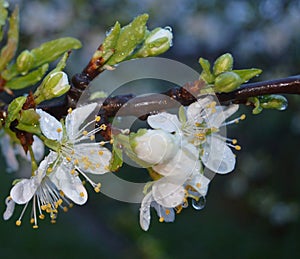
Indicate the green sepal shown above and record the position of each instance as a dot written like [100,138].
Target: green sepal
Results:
[9,50]
[117,158]
[45,53]
[27,80]
[181,114]
[130,36]
[14,109]
[29,121]
[255,101]
[222,64]
[247,74]
[206,74]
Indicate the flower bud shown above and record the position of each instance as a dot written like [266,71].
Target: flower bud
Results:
[222,64]
[157,42]
[155,146]
[227,82]
[56,85]
[25,61]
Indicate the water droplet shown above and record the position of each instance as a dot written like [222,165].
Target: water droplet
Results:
[168,28]
[283,106]
[200,204]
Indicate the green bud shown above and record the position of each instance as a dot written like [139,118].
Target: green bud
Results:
[24,62]
[56,85]
[206,75]
[14,109]
[222,64]
[227,82]
[273,101]
[29,121]
[157,42]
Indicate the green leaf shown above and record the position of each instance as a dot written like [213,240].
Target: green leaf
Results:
[222,64]
[3,16]
[27,80]
[130,36]
[247,74]
[45,53]
[8,51]
[14,109]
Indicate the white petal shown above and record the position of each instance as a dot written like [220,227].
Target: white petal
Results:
[182,165]
[217,156]
[200,183]
[222,113]
[24,190]
[196,109]
[9,154]
[10,207]
[76,118]
[93,158]
[50,126]
[167,214]
[145,211]
[71,185]
[165,121]
[156,146]
[167,194]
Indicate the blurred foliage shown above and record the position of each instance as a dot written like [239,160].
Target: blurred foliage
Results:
[251,213]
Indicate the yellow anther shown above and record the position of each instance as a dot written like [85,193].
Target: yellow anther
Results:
[237,147]
[35,226]
[168,212]
[73,171]
[197,124]
[65,209]
[161,219]
[198,185]
[92,137]
[103,127]
[41,216]
[70,110]
[61,193]
[53,221]
[59,130]
[200,136]
[102,143]
[97,187]
[81,194]
[43,207]
[100,153]
[111,141]
[72,152]
[18,223]
[179,209]
[84,132]
[76,162]
[71,205]
[31,220]
[49,169]
[97,165]
[69,159]
[234,141]
[106,168]
[97,118]
[83,182]
[243,116]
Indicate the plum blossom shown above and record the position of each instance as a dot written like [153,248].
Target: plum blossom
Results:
[77,153]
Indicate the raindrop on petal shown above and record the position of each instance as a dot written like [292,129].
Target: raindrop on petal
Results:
[200,204]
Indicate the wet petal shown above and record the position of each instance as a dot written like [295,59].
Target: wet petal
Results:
[93,158]
[222,113]
[165,121]
[167,214]
[196,109]
[50,127]
[10,207]
[70,184]
[200,183]
[145,211]
[23,191]
[217,156]
[76,118]
[167,194]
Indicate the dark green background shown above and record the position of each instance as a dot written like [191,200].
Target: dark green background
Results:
[250,213]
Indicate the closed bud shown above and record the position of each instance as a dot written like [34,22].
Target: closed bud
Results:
[56,85]
[25,62]
[227,82]
[155,146]
[157,42]
[222,64]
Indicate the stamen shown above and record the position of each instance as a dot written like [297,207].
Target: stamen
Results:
[97,118]
[70,110]
[161,219]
